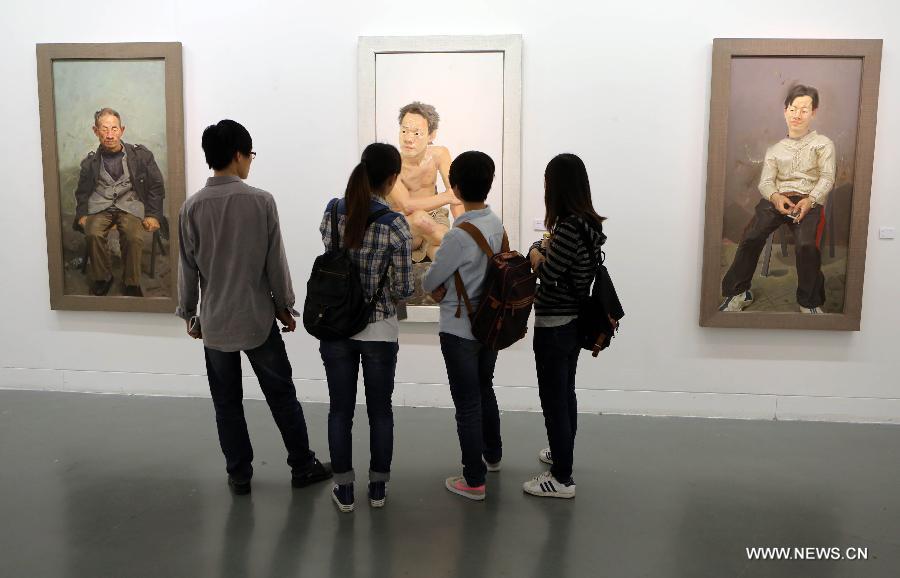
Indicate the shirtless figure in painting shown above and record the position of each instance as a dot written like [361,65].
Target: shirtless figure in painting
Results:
[415,194]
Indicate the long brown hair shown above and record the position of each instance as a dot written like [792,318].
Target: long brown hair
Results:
[567,191]
[378,163]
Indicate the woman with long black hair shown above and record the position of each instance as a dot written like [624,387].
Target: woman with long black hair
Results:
[379,242]
[565,269]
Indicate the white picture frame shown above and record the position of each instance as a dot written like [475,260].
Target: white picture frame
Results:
[509,48]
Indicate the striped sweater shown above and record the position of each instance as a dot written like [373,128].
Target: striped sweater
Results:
[568,271]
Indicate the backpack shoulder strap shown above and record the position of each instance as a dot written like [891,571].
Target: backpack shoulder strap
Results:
[376,215]
[335,244]
[482,243]
[379,291]
[461,292]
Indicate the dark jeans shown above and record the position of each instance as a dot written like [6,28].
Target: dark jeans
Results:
[379,360]
[272,368]
[556,357]
[810,280]
[470,370]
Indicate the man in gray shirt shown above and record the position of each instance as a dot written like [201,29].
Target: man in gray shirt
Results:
[231,247]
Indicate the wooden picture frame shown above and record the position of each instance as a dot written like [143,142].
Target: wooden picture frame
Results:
[509,49]
[161,254]
[727,57]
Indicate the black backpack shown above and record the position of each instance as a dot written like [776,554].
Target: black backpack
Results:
[336,306]
[599,312]
[509,285]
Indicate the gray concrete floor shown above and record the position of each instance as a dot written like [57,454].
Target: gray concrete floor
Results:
[96,485]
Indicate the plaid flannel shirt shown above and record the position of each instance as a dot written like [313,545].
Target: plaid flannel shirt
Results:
[387,243]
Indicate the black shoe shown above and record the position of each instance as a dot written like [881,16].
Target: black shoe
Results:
[101,288]
[239,488]
[317,473]
[133,291]
[342,496]
[377,494]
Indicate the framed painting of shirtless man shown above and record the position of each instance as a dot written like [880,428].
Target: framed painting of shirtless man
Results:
[433,98]
[791,148]
[113,154]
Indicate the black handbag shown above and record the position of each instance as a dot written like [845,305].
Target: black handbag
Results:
[599,311]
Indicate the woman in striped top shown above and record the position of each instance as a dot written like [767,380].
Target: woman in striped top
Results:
[565,270]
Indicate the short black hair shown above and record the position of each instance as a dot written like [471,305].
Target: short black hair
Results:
[221,141]
[802,90]
[472,174]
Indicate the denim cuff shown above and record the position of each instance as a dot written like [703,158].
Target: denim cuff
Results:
[344,477]
[379,476]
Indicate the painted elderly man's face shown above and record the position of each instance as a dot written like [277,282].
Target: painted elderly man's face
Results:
[414,135]
[109,132]
[799,114]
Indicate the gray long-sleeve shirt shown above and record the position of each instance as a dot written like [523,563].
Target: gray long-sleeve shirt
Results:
[231,248]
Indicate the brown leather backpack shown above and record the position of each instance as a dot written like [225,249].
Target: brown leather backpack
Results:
[509,286]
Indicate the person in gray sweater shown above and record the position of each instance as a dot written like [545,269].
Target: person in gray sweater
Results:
[232,254]
[470,365]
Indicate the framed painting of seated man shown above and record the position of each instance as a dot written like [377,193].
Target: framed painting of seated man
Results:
[433,98]
[113,155]
[791,147]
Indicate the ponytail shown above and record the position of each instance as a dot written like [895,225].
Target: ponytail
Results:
[379,162]
[356,201]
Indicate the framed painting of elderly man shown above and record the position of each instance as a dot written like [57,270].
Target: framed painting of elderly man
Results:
[791,150]
[113,157]
[434,98]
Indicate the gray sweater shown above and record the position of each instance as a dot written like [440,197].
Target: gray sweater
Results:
[231,248]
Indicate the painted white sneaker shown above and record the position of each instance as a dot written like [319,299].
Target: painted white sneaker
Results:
[812,310]
[546,486]
[737,302]
[544,456]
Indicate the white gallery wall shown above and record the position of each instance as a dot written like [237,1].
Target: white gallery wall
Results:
[624,85]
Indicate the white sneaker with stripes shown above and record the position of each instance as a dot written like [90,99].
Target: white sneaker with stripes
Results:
[545,456]
[546,486]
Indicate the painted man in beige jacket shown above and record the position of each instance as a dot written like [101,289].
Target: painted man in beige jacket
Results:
[797,175]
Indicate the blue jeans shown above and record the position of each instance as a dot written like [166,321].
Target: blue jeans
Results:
[379,360]
[470,370]
[556,357]
[273,369]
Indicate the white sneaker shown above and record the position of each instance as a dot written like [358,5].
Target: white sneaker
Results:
[491,467]
[812,310]
[546,486]
[737,302]
[544,456]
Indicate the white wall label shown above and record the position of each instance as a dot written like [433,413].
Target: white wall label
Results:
[887,233]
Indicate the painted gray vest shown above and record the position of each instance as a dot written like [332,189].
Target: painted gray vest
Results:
[115,193]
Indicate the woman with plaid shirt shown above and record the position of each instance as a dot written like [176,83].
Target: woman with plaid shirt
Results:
[385,243]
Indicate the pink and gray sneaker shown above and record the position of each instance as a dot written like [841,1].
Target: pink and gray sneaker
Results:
[458,485]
